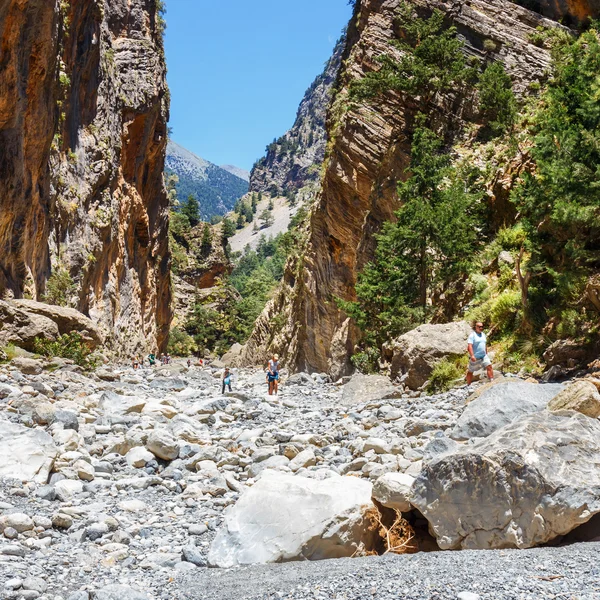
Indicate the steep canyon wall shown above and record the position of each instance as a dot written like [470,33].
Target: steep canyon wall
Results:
[83,113]
[369,151]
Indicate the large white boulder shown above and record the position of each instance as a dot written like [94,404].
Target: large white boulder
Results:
[285,517]
[415,354]
[25,454]
[501,404]
[368,388]
[524,485]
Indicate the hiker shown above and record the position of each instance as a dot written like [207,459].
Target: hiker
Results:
[151,359]
[226,380]
[273,375]
[478,358]
[135,363]
[189,362]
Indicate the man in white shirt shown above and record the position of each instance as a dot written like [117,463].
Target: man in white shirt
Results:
[478,358]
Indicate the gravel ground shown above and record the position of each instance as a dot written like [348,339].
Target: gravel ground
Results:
[566,573]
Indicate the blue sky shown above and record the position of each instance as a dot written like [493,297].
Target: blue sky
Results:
[238,70]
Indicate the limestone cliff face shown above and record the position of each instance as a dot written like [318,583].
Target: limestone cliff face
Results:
[369,153]
[294,160]
[83,112]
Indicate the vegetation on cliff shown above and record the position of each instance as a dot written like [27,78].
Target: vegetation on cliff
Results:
[526,272]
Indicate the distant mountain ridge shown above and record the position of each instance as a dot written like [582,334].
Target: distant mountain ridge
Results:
[216,188]
[294,160]
[241,173]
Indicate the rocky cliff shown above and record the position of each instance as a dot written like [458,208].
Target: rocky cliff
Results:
[369,153]
[83,112]
[294,159]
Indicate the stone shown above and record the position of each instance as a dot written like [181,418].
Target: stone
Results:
[368,388]
[565,353]
[26,454]
[304,459]
[415,354]
[232,357]
[138,457]
[192,554]
[67,489]
[274,462]
[84,470]
[23,328]
[581,396]
[29,366]
[20,522]
[10,533]
[62,521]
[107,375]
[527,483]
[118,592]
[197,529]
[162,444]
[132,506]
[501,404]
[393,490]
[67,418]
[68,320]
[285,517]
[36,584]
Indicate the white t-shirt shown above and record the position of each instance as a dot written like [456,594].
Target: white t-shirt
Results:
[479,342]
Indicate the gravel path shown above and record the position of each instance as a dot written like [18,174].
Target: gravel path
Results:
[566,573]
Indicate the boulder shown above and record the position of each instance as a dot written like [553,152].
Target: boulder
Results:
[138,457]
[581,396]
[162,444]
[232,358]
[415,354]
[500,404]
[285,517]
[368,388]
[565,353]
[68,320]
[28,366]
[22,328]
[25,454]
[393,490]
[524,485]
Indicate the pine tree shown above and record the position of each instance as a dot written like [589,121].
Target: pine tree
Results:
[497,102]
[254,203]
[240,220]
[271,205]
[228,228]
[267,218]
[206,244]
[432,242]
[191,210]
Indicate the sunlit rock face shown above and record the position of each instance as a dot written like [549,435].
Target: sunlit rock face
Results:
[83,112]
[369,152]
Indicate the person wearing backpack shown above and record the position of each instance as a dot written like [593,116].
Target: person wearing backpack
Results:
[226,380]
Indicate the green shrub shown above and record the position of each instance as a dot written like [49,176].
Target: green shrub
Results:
[497,102]
[366,361]
[68,345]
[59,287]
[505,309]
[443,376]
[8,352]
[180,343]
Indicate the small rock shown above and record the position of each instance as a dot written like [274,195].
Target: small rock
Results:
[193,555]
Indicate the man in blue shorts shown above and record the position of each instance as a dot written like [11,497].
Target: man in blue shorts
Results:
[478,358]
